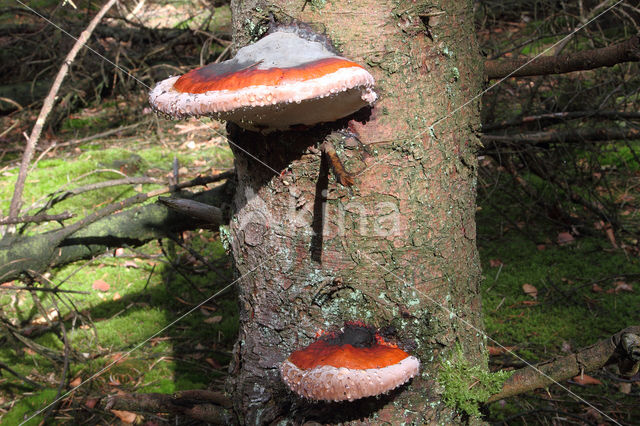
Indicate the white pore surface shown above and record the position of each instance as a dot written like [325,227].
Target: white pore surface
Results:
[308,102]
[282,50]
[329,383]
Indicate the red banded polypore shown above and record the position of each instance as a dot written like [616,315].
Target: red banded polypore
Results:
[351,364]
[280,81]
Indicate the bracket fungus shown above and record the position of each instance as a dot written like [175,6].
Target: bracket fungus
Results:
[288,78]
[353,363]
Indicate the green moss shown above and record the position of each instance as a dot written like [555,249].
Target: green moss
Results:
[466,386]
[318,4]
[28,406]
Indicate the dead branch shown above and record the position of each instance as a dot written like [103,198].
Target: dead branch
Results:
[623,349]
[203,405]
[563,136]
[556,117]
[38,218]
[16,201]
[103,230]
[627,51]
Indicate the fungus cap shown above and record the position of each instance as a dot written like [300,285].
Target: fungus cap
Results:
[348,365]
[280,81]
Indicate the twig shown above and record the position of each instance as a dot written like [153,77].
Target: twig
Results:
[342,176]
[65,368]
[43,289]
[560,117]
[37,218]
[49,101]
[4,366]
[59,196]
[564,136]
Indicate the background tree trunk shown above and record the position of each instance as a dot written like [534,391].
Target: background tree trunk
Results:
[392,250]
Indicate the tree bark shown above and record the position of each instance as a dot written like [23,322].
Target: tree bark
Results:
[396,249]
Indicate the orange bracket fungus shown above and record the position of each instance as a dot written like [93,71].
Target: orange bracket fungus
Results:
[353,363]
[288,78]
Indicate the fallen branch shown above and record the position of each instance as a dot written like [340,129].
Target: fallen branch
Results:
[563,136]
[623,348]
[102,230]
[16,200]
[203,405]
[627,51]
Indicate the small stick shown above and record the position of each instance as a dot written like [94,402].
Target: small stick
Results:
[37,218]
[342,176]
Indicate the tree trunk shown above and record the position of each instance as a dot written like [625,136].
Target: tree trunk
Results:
[396,249]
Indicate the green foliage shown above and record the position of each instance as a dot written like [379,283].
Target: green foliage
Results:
[466,386]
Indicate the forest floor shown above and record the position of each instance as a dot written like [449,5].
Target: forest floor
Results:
[546,292]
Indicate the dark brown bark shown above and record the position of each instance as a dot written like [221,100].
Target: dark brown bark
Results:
[627,51]
[391,250]
[622,348]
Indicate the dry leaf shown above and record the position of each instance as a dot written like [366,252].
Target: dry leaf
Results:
[75,382]
[130,264]
[586,380]
[213,320]
[125,416]
[624,388]
[494,350]
[541,247]
[564,238]
[530,290]
[101,285]
[622,286]
[117,296]
[494,263]
[116,357]
[596,288]
[41,320]
[119,252]
[610,235]
[90,403]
